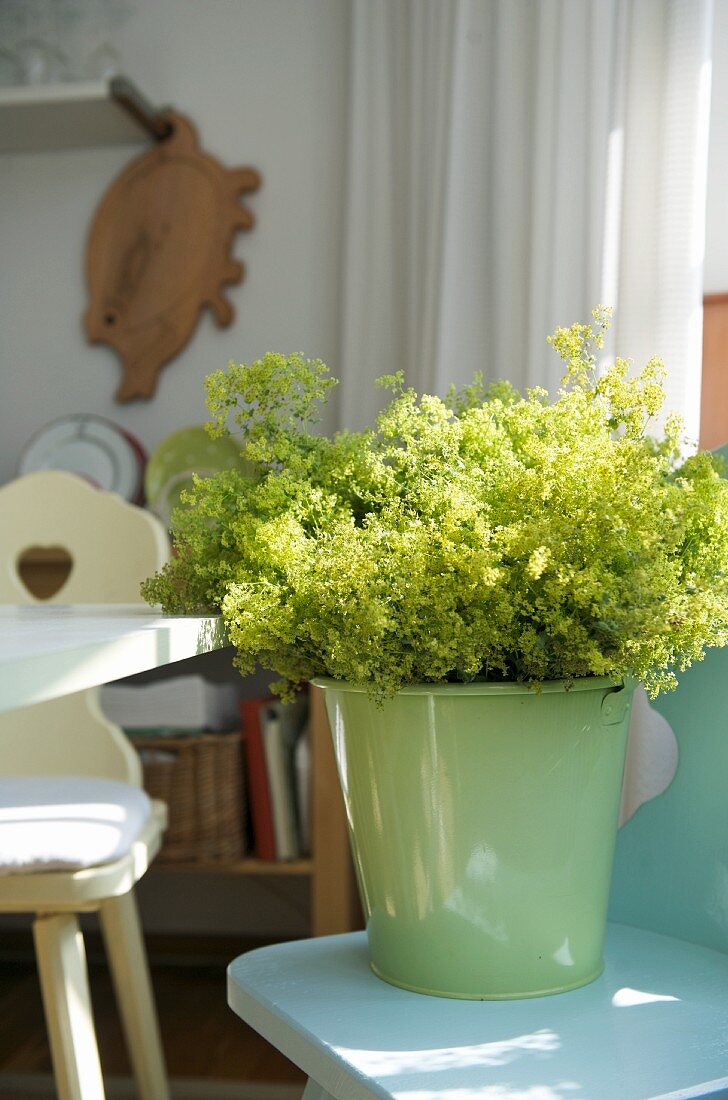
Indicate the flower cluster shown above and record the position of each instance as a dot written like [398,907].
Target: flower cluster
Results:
[485,536]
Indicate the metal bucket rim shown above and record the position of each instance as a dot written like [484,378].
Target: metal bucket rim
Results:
[582,683]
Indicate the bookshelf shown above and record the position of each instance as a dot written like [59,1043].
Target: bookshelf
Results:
[334,901]
[246,866]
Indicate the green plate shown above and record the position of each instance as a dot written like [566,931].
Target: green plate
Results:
[184,453]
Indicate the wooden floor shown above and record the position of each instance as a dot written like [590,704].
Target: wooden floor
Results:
[203,1039]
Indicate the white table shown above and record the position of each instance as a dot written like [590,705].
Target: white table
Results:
[49,650]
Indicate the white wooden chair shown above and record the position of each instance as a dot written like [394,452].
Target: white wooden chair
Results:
[72,845]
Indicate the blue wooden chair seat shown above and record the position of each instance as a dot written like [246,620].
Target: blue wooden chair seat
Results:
[655,1024]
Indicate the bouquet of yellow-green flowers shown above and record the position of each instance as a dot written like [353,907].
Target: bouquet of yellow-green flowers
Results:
[484,536]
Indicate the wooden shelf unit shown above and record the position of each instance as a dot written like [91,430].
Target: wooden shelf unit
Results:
[334,902]
[246,866]
[334,897]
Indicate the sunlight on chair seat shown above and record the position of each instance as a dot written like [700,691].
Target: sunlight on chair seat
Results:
[494,1092]
[27,846]
[499,1053]
[626,998]
[79,811]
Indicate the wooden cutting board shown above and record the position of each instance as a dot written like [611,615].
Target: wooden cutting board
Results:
[158,252]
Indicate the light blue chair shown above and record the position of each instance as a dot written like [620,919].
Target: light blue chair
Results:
[671,862]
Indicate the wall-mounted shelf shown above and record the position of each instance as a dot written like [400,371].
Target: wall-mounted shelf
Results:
[39,118]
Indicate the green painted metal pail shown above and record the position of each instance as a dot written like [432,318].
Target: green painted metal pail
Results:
[483,819]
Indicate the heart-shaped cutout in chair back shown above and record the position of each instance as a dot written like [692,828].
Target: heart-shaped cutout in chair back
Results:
[44,570]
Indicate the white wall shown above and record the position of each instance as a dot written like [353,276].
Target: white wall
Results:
[716,236]
[265,82]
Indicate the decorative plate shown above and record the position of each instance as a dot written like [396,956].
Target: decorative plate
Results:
[184,453]
[93,447]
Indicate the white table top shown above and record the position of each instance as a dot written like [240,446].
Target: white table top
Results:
[49,650]
[654,1025]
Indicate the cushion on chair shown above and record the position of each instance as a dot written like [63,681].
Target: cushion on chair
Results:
[65,823]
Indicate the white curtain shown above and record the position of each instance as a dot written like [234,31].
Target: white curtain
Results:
[655,233]
[512,163]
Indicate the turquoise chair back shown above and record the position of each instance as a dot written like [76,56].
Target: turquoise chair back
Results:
[671,860]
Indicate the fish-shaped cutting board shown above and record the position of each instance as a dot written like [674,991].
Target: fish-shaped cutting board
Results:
[158,252]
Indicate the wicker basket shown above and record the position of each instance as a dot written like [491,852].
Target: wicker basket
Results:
[200,779]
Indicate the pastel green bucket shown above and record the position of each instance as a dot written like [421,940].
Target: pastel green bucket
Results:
[483,819]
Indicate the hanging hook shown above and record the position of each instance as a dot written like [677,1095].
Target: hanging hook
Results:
[128,96]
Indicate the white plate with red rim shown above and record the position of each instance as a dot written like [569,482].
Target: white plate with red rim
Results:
[94,448]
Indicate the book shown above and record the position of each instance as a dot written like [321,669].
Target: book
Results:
[261,812]
[281,726]
[303,789]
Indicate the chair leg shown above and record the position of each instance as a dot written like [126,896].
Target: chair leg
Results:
[63,975]
[128,963]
